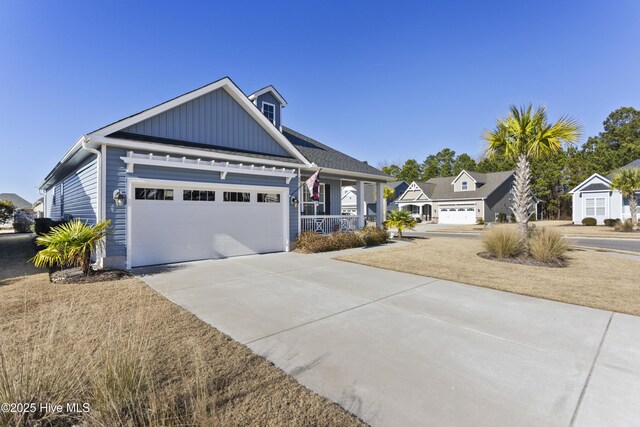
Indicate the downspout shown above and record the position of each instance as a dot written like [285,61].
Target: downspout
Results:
[99,216]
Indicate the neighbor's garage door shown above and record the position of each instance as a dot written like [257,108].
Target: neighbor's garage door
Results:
[172,224]
[457,215]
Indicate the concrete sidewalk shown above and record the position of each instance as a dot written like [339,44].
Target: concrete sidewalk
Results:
[399,349]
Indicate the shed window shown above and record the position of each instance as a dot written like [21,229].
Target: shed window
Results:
[465,185]
[595,206]
[269,110]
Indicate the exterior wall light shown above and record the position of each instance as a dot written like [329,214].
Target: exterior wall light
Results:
[294,201]
[119,197]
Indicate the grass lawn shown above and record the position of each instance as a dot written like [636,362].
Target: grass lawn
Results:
[591,279]
[565,228]
[130,353]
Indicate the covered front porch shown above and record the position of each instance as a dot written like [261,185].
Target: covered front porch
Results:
[422,210]
[327,215]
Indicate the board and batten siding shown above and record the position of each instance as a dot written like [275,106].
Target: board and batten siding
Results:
[215,119]
[268,97]
[117,179]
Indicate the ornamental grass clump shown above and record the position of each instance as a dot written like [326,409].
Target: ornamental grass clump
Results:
[624,226]
[372,236]
[547,245]
[70,245]
[503,242]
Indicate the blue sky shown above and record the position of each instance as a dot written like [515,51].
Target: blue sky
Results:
[382,81]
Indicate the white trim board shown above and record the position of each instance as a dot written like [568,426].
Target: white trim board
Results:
[133,159]
[271,89]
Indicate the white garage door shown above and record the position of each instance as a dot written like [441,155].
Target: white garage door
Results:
[190,222]
[457,215]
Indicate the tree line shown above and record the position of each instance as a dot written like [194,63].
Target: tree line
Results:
[553,174]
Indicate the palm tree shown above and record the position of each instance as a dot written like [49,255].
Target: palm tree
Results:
[627,181]
[523,134]
[70,245]
[400,219]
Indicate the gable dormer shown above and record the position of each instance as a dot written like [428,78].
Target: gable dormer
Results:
[270,103]
[464,182]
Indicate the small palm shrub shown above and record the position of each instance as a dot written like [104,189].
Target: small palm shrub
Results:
[373,236]
[400,219]
[70,245]
[479,221]
[503,242]
[589,221]
[610,222]
[624,226]
[547,245]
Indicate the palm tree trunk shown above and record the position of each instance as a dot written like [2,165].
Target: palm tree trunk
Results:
[522,196]
[633,209]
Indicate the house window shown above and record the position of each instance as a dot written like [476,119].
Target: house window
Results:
[235,196]
[269,110]
[309,206]
[268,198]
[199,195]
[154,194]
[595,206]
[465,185]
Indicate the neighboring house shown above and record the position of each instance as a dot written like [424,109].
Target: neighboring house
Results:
[17,201]
[349,196]
[38,208]
[595,198]
[462,199]
[212,173]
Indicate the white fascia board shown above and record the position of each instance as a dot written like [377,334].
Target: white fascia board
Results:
[165,148]
[271,89]
[232,90]
[347,174]
[465,172]
[595,175]
[413,187]
[475,199]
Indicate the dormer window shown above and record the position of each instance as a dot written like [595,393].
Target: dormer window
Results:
[465,185]
[269,111]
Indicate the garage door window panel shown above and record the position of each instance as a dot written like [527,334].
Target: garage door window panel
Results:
[154,194]
[236,196]
[268,198]
[199,195]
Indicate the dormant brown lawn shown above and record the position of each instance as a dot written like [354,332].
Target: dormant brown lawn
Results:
[73,328]
[591,279]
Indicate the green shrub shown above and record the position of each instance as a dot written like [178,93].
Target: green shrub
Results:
[503,242]
[22,221]
[532,217]
[70,245]
[609,222]
[547,245]
[624,226]
[479,221]
[589,221]
[501,218]
[373,236]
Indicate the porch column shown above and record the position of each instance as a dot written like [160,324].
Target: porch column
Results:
[381,205]
[360,203]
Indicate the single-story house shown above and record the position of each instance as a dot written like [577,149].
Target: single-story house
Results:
[595,198]
[38,208]
[212,173]
[18,202]
[461,199]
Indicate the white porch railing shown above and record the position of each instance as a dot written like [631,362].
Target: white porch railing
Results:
[325,224]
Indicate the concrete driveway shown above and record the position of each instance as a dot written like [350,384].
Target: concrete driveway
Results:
[403,350]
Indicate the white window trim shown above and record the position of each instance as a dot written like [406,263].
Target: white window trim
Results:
[274,111]
[464,185]
[595,207]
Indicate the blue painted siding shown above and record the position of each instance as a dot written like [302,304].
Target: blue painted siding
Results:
[216,119]
[117,178]
[268,97]
[56,192]
[48,202]
[80,198]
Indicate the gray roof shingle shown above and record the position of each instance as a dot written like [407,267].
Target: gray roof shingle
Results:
[325,156]
[442,189]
